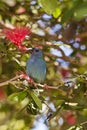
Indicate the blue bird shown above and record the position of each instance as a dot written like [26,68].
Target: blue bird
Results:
[36,65]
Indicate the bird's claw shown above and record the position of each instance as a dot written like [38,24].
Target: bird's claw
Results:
[45,86]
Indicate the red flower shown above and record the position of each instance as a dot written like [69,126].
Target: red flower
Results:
[71,119]
[2,94]
[65,73]
[17,35]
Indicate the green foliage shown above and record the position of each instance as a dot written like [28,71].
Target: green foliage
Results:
[59,28]
[81,11]
[71,9]
[76,128]
[36,99]
[17,97]
[49,6]
[32,108]
[57,13]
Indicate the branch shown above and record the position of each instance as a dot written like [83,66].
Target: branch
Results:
[14,82]
[68,59]
[8,81]
[83,123]
[82,35]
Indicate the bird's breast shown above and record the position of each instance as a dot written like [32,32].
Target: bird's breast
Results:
[36,69]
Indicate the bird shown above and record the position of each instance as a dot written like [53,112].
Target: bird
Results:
[36,65]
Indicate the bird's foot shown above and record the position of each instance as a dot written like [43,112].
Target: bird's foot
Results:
[26,77]
[45,86]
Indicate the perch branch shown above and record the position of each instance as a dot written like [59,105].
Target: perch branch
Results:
[15,81]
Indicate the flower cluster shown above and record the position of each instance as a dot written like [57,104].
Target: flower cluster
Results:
[17,35]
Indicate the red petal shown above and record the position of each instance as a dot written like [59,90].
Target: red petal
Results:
[71,119]
[23,48]
[16,35]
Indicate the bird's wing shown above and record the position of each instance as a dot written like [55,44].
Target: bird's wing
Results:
[37,70]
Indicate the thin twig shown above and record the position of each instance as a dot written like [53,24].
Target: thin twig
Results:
[82,35]
[68,59]
[46,86]
[14,84]
[83,123]
[9,81]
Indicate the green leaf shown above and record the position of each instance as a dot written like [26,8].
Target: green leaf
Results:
[36,99]
[57,12]
[0,67]
[67,14]
[76,128]
[69,10]
[32,108]
[17,97]
[81,12]
[49,6]
[59,102]
[3,7]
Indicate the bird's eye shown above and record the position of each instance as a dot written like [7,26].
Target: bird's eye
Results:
[37,50]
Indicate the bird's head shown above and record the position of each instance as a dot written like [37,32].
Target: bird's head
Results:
[36,52]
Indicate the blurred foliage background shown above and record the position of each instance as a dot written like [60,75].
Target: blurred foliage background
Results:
[59,27]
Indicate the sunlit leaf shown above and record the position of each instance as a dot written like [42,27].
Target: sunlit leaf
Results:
[17,97]
[36,99]
[57,12]
[81,13]
[49,6]
[75,128]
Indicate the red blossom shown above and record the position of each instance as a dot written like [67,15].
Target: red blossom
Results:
[17,35]
[2,94]
[71,119]
[64,73]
